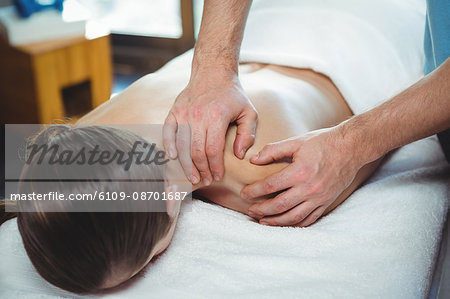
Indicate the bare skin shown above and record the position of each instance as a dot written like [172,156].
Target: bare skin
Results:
[325,162]
[290,102]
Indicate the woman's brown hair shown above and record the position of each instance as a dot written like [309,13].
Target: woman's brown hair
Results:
[80,251]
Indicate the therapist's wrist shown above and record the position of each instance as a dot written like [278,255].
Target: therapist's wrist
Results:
[214,75]
[223,62]
[358,140]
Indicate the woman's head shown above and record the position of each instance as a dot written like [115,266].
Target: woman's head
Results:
[86,252]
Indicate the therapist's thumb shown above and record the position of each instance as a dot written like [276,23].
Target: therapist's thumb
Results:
[274,152]
[245,133]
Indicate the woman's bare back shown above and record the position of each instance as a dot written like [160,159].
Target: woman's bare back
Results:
[289,102]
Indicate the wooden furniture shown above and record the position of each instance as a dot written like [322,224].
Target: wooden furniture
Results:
[146,54]
[46,81]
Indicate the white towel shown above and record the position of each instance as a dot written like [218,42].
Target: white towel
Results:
[381,242]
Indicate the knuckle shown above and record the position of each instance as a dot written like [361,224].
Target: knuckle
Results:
[268,187]
[181,114]
[202,168]
[212,150]
[173,112]
[197,112]
[247,140]
[168,121]
[268,148]
[197,154]
[250,138]
[204,173]
[281,205]
[305,172]
[197,143]
[300,175]
[217,113]
[193,170]
[327,197]
[316,188]
[298,217]
[177,112]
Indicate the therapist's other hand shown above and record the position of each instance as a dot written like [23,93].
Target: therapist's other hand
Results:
[322,167]
[210,102]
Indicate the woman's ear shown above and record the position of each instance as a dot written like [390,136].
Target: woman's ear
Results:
[171,202]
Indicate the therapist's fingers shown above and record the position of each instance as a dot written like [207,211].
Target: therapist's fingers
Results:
[275,152]
[215,144]
[273,183]
[246,130]
[279,204]
[291,217]
[183,142]
[312,217]
[199,154]
[169,135]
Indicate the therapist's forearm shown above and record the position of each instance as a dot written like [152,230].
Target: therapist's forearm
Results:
[419,111]
[220,36]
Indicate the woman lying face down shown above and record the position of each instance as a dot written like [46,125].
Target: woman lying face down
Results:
[88,252]
[85,252]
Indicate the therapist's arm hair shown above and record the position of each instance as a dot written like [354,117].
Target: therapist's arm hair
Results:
[325,162]
[214,97]
[220,35]
[420,111]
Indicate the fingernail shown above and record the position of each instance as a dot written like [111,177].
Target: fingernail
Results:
[217,177]
[195,180]
[255,157]
[263,222]
[251,214]
[172,153]
[242,154]
[206,182]
[244,195]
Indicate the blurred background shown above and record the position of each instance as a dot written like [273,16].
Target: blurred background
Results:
[55,65]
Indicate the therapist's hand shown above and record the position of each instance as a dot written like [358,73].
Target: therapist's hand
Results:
[211,101]
[325,162]
[322,167]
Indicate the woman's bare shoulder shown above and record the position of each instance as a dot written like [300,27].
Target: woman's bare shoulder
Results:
[145,101]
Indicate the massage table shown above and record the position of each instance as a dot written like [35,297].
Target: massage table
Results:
[382,242]
[440,284]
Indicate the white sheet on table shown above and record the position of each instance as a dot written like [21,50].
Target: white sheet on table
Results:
[370,49]
[381,242]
